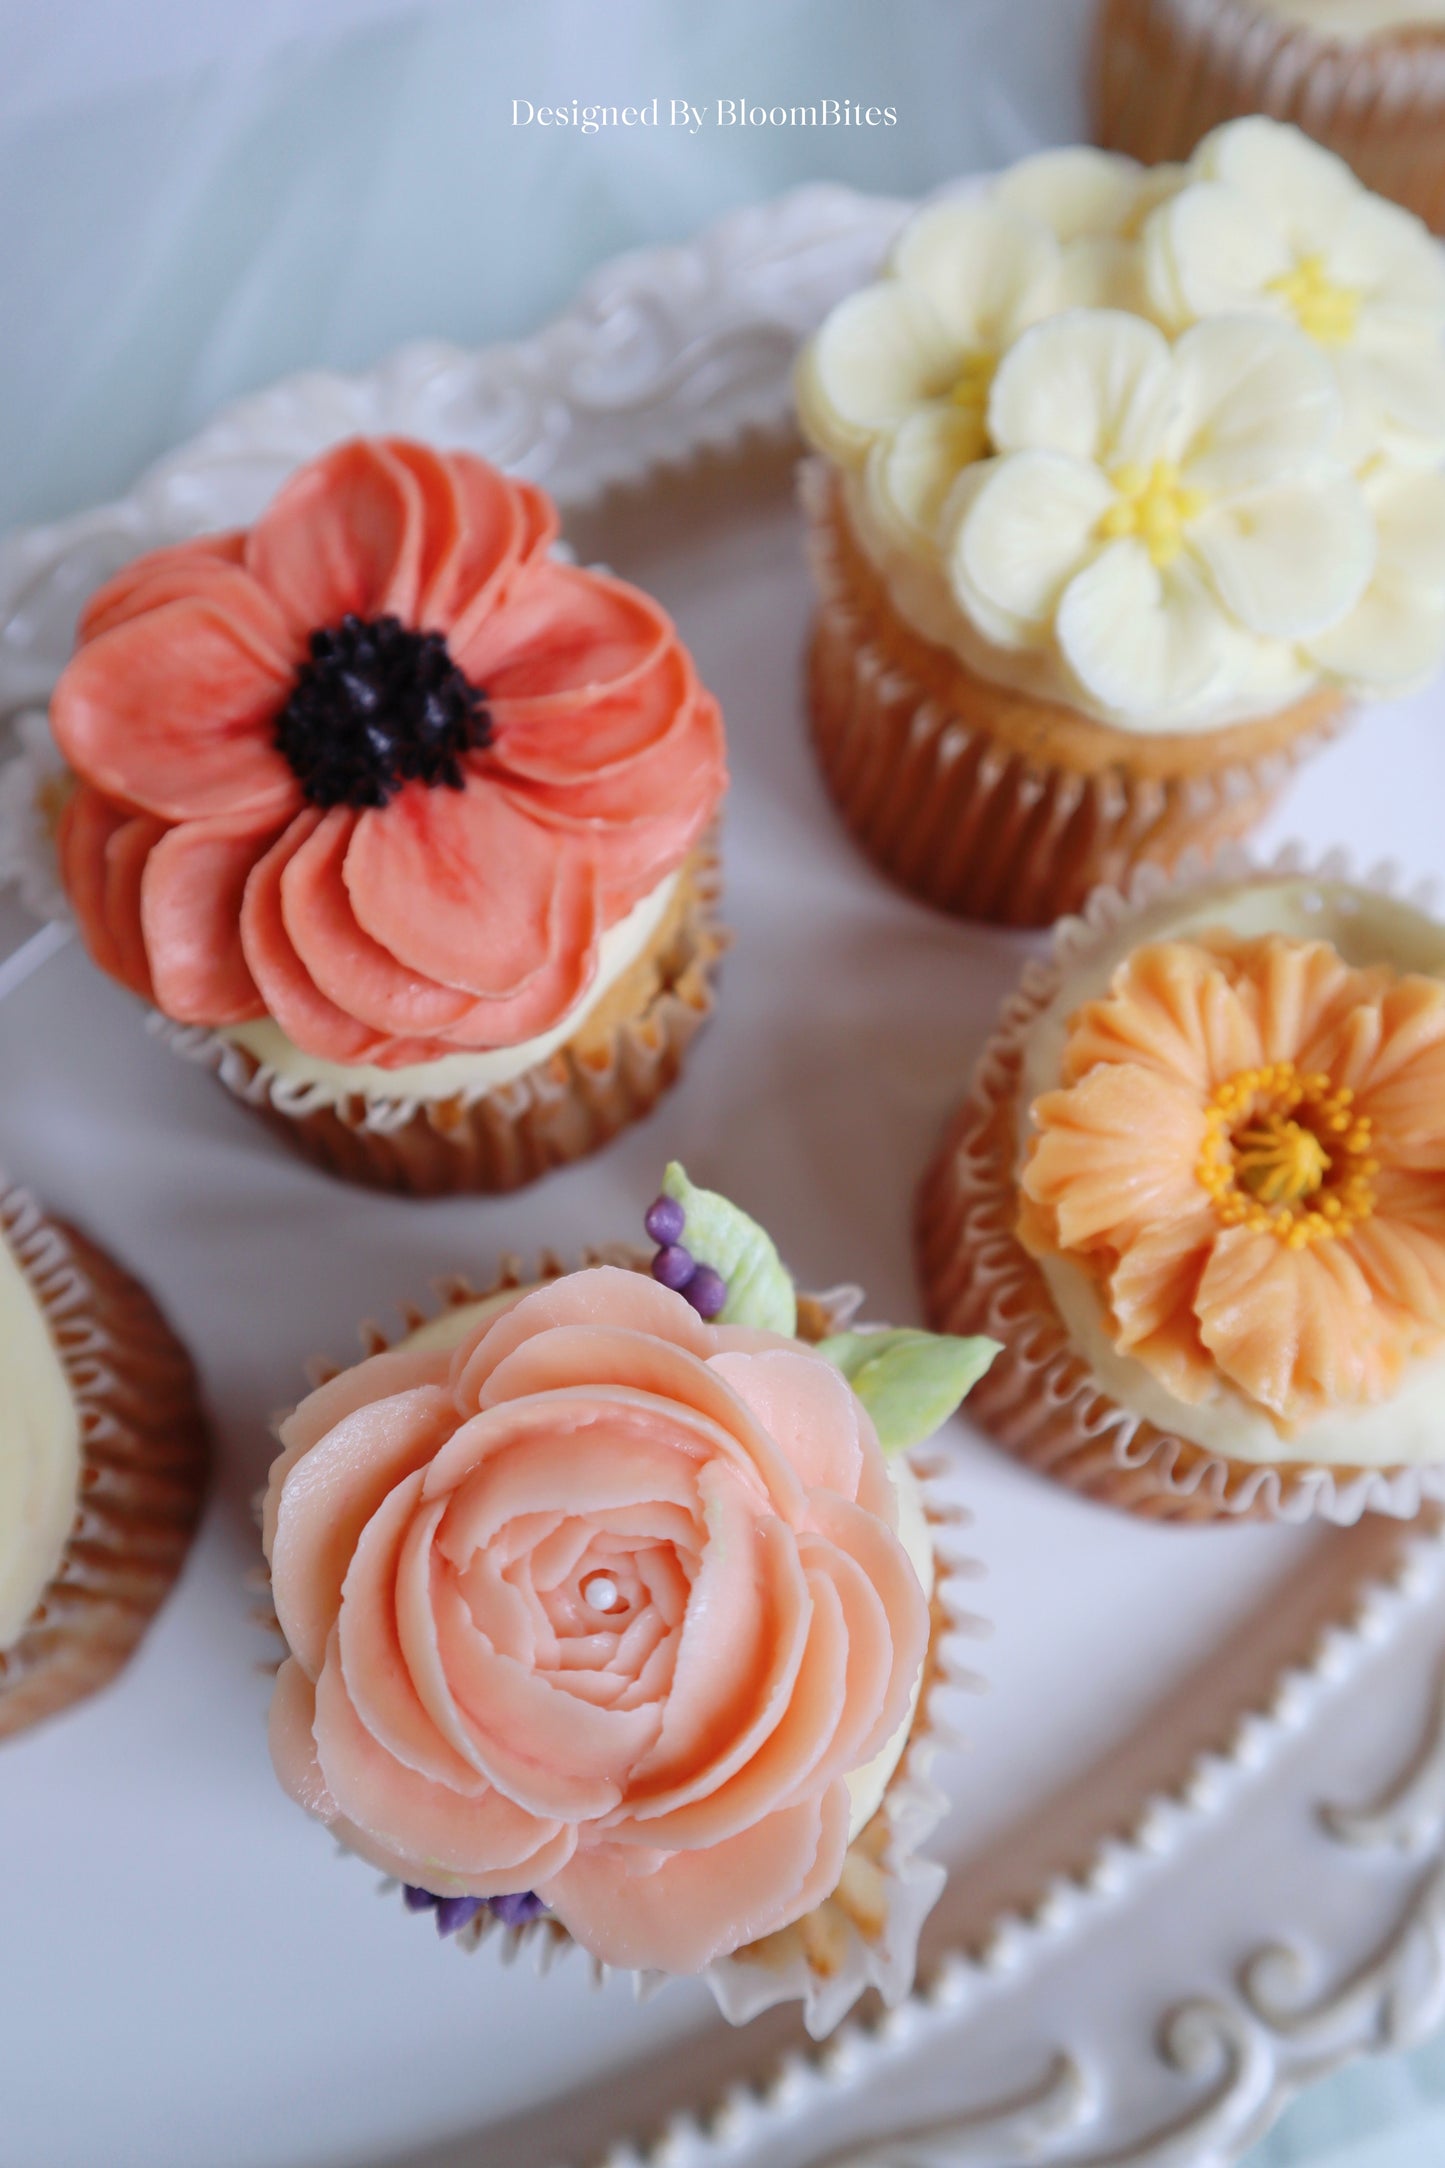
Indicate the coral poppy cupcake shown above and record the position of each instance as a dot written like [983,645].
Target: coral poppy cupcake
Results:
[1202,1176]
[401,824]
[1364,77]
[102,1463]
[1119,504]
[614,1618]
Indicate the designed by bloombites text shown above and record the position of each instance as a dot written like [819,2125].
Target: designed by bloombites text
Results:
[692,119]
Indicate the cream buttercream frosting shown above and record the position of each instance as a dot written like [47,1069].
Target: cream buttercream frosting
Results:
[39,1450]
[1353,22]
[458,1075]
[1163,445]
[1365,929]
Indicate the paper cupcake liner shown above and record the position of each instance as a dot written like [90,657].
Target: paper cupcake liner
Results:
[1167,71]
[945,803]
[144,1450]
[865,1934]
[1040,1398]
[611,1073]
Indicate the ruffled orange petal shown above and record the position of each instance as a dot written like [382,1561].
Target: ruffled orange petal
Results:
[205,567]
[1394,1057]
[1172,1009]
[88,825]
[1300,992]
[501,524]
[1115,1156]
[174,711]
[1400,1248]
[1296,1330]
[462,888]
[190,906]
[1151,1293]
[345,535]
[564,633]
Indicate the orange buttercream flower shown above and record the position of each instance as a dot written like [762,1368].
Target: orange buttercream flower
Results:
[378,767]
[1247,1156]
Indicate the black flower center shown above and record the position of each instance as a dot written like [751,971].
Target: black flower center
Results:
[378,706]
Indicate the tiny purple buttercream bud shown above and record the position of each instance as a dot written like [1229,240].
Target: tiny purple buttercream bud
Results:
[517,1910]
[418,1900]
[674,1267]
[707,1291]
[664,1221]
[454,1912]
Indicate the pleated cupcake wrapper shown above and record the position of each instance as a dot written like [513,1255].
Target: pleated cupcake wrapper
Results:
[1167,71]
[865,1935]
[1040,1398]
[144,1450]
[497,1137]
[956,816]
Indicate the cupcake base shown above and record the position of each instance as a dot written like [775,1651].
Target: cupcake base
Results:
[624,1056]
[144,1452]
[987,802]
[1040,1397]
[1167,71]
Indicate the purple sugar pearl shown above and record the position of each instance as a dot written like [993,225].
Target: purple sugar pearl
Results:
[517,1910]
[453,1913]
[674,1267]
[707,1291]
[418,1900]
[664,1221]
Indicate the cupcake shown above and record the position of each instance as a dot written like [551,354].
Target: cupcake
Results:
[614,1619]
[102,1463]
[1364,77]
[1201,1177]
[1129,483]
[400,824]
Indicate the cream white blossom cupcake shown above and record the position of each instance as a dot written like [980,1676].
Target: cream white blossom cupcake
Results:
[614,1619]
[1131,481]
[1365,77]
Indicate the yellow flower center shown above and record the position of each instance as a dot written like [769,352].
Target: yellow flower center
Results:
[1328,312]
[1153,504]
[1287,1155]
[974,382]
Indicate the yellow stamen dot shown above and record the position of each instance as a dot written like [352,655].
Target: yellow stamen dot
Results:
[1258,1163]
[974,382]
[1153,504]
[1327,311]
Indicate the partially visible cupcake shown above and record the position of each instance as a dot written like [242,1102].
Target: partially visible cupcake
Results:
[103,1454]
[1364,77]
[1129,484]
[401,824]
[612,1614]
[1201,1177]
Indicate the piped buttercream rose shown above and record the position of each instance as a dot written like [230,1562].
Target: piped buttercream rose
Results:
[604,1604]
[378,767]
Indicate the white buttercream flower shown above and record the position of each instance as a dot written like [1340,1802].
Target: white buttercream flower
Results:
[1169,520]
[897,379]
[1271,222]
[1394,638]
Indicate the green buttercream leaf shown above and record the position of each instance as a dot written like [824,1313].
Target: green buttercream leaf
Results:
[910,1382]
[760,1292]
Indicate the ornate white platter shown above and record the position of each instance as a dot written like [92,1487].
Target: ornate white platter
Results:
[1198,1828]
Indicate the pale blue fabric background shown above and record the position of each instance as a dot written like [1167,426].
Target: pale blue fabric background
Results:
[201,195]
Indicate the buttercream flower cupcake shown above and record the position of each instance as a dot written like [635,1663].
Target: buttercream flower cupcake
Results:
[1202,1176]
[1364,77]
[400,823]
[613,1618]
[103,1455]
[1125,492]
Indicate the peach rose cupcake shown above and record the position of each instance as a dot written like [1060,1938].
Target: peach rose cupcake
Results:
[1129,484]
[401,824]
[1364,77]
[612,1618]
[1202,1177]
[103,1453]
